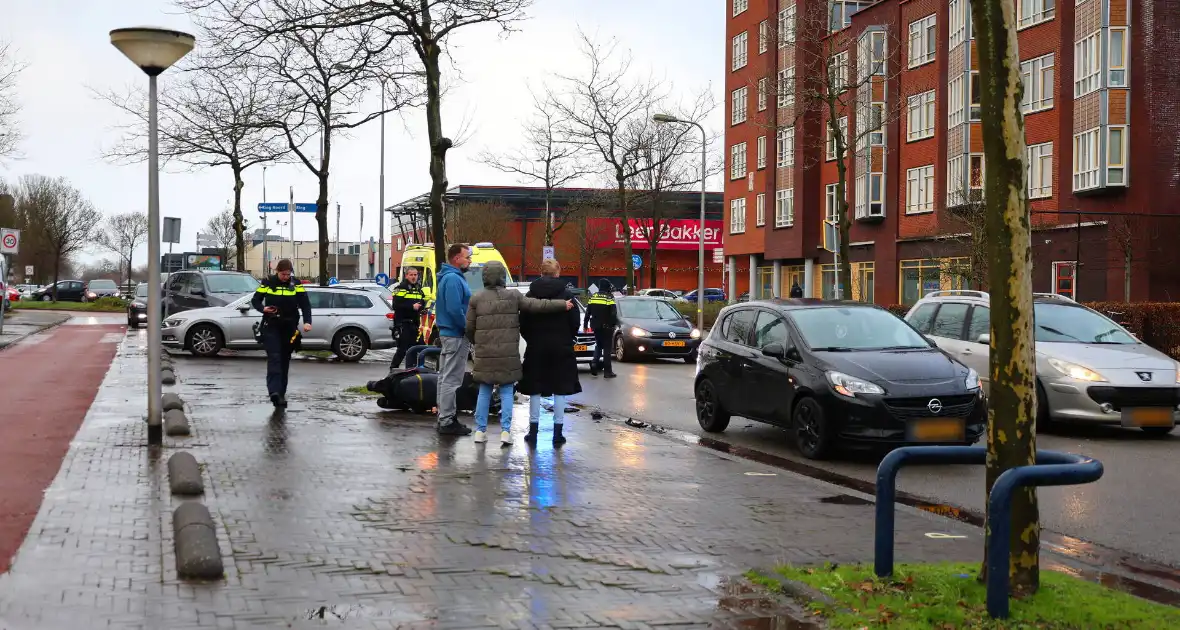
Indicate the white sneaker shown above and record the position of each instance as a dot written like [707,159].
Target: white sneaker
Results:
[481,437]
[505,438]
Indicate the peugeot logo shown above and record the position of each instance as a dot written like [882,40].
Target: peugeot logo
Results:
[1144,376]
[671,335]
[935,406]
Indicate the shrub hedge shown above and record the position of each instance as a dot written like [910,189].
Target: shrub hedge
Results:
[689,310]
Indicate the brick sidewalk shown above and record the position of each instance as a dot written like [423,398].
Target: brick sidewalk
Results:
[341,512]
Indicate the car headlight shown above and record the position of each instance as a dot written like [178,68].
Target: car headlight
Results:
[137,305]
[639,332]
[1178,373]
[972,381]
[846,385]
[172,323]
[91,295]
[1076,372]
[695,334]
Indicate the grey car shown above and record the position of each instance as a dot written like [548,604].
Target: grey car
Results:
[193,289]
[348,322]
[1089,369]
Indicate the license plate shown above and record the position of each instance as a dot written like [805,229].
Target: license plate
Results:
[1148,417]
[674,344]
[936,430]
[581,348]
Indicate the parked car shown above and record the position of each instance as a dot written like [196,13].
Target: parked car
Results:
[137,306]
[347,321]
[660,293]
[66,291]
[96,289]
[27,289]
[1089,368]
[194,289]
[583,342]
[12,294]
[835,373]
[372,287]
[652,327]
[711,295]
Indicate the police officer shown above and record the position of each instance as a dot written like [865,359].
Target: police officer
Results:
[408,302]
[282,299]
[602,317]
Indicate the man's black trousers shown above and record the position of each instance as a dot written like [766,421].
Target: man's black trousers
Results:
[604,341]
[276,339]
[407,337]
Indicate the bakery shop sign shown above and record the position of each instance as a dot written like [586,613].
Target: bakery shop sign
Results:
[673,233]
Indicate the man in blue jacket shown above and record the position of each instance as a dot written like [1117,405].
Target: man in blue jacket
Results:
[450,309]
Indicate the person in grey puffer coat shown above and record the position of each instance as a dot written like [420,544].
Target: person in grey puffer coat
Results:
[493,327]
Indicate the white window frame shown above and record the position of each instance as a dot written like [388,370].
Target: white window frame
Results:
[958,22]
[844,13]
[877,54]
[1037,75]
[741,50]
[920,123]
[1121,166]
[1033,12]
[1085,160]
[838,72]
[760,210]
[842,124]
[921,51]
[739,105]
[786,87]
[919,196]
[737,215]
[761,152]
[956,181]
[786,26]
[956,97]
[1040,171]
[971,159]
[974,97]
[737,161]
[831,204]
[1087,64]
[868,204]
[876,116]
[1116,68]
[784,207]
[786,147]
[763,86]
[740,6]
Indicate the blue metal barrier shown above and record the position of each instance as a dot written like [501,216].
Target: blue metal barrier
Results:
[1053,468]
[428,351]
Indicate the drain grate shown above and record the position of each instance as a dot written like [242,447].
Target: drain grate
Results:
[845,499]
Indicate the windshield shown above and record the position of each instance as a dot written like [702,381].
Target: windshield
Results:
[855,328]
[103,285]
[231,283]
[648,309]
[1073,324]
[141,290]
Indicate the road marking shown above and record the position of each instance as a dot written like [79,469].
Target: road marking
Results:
[941,536]
[758,474]
[112,338]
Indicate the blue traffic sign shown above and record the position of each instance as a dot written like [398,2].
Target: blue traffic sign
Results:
[382,279]
[279,206]
[636,261]
[332,281]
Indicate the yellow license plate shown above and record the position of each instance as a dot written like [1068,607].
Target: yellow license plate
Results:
[1148,417]
[674,344]
[937,430]
[581,348]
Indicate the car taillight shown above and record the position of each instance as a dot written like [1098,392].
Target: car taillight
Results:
[389,316]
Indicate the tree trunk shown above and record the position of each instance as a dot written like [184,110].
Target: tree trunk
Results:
[843,228]
[321,206]
[239,223]
[438,144]
[1126,275]
[626,221]
[585,253]
[549,214]
[1011,436]
[56,273]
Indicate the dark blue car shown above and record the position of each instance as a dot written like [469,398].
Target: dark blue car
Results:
[711,295]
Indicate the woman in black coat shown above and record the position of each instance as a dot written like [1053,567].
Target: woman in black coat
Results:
[550,366]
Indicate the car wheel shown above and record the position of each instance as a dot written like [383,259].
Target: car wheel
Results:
[1157,431]
[710,414]
[46,298]
[812,433]
[350,344]
[1044,421]
[620,351]
[205,340]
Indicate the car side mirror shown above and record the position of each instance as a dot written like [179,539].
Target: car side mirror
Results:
[984,339]
[244,309]
[196,291]
[776,350]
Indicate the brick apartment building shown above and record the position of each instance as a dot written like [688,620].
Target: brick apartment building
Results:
[1102,118]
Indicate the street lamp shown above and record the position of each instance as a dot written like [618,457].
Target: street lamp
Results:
[667,118]
[154,50]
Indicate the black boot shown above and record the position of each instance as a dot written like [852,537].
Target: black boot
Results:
[558,438]
[274,400]
[610,375]
[531,436]
[282,401]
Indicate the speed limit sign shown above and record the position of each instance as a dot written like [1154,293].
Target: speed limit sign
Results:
[9,241]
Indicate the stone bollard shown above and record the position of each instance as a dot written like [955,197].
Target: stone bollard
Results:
[175,423]
[171,401]
[195,541]
[184,475]
[167,377]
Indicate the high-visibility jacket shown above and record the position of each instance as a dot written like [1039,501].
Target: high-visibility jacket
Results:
[601,312]
[405,296]
[290,298]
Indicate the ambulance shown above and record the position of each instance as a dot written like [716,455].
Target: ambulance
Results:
[422,258]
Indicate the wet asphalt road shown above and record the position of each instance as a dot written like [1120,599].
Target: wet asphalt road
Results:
[1131,509]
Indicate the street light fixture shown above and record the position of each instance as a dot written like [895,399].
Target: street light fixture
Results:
[154,50]
[666,119]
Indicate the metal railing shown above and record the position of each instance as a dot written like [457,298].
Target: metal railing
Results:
[1052,468]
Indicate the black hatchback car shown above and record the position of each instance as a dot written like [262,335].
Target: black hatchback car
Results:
[652,327]
[835,373]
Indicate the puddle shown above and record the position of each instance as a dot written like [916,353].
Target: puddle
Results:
[759,610]
[845,499]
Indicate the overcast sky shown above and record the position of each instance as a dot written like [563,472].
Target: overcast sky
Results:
[66,46]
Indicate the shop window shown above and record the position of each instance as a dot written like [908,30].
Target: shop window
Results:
[922,277]
[863,275]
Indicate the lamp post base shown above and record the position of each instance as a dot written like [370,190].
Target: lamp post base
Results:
[155,434]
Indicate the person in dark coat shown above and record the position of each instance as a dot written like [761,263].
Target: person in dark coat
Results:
[408,302]
[550,365]
[796,290]
[602,316]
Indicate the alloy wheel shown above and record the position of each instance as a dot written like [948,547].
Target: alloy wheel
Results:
[619,351]
[806,425]
[204,341]
[706,401]
[351,346]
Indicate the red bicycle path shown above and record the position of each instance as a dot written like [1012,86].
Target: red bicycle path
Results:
[47,384]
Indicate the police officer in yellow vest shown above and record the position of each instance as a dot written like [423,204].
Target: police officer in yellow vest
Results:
[408,301]
[282,299]
[602,317]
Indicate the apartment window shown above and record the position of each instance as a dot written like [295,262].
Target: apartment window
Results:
[784,207]
[1118,58]
[862,281]
[738,106]
[870,195]
[739,51]
[761,152]
[840,13]
[976,89]
[737,161]
[876,52]
[838,72]
[786,147]
[921,116]
[786,26]
[737,215]
[1037,75]
[1085,160]
[842,124]
[760,210]
[762,86]
[976,180]
[1116,160]
[1034,12]
[958,20]
[956,181]
[1040,171]
[956,102]
[740,6]
[786,87]
[1065,279]
[919,195]
[923,41]
[877,124]
[1087,65]
[832,205]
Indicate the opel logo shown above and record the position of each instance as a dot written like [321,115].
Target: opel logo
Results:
[935,406]
[671,335]
[1144,376]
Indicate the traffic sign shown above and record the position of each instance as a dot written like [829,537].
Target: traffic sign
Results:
[382,279]
[831,236]
[718,255]
[286,207]
[332,281]
[636,261]
[171,230]
[28,270]
[548,252]
[9,241]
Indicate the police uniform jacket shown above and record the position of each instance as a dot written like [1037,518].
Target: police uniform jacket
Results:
[405,296]
[601,312]
[290,298]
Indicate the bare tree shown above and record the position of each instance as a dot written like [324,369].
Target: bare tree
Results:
[470,222]
[61,217]
[590,232]
[215,116]
[545,157]
[222,228]
[10,69]
[122,234]
[965,227]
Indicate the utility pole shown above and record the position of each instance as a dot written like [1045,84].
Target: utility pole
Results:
[381,195]
[336,250]
[265,231]
[291,211]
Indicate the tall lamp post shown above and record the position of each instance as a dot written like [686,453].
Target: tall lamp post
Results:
[154,50]
[667,118]
[381,195]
